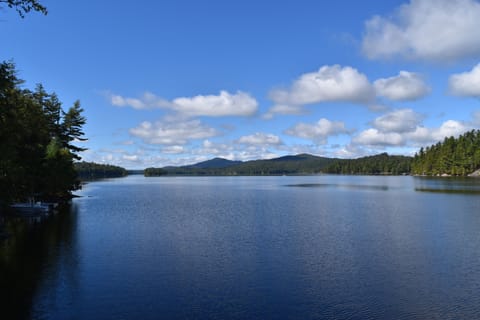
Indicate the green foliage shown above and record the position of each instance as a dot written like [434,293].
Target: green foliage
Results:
[299,164]
[25,6]
[92,171]
[372,165]
[36,135]
[154,172]
[71,128]
[454,156]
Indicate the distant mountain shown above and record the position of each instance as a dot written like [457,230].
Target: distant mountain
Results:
[298,157]
[296,165]
[214,163]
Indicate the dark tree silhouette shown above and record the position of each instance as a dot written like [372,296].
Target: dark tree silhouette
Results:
[25,6]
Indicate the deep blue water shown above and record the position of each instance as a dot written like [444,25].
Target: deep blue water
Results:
[315,247]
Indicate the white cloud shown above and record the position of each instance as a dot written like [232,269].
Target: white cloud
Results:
[404,87]
[374,137]
[466,84]
[262,139]
[173,149]
[328,84]
[285,110]
[402,120]
[147,101]
[223,104]
[350,151]
[318,132]
[234,151]
[132,158]
[390,133]
[403,127]
[172,133]
[450,128]
[441,30]
[422,135]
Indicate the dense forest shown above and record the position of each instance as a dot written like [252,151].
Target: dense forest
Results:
[291,165]
[92,171]
[154,172]
[372,165]
[454,156]
[299,164]
[37,136]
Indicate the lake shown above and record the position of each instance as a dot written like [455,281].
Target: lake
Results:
[306,247]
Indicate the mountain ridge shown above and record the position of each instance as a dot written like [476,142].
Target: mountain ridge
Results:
[216,162]
[295,165]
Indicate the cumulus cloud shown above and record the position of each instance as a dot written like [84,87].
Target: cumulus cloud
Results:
[223,104]
[375,137]
[173,149]
[285,110]
[328,84]
[345,84]
[440,30]
[404,127]
[132,158]
[402,120]
[352,151]
[318,132]
[466,84]
[172,133]
[147,101]
[235,151]
[449,128]
[262,139]
[404,87]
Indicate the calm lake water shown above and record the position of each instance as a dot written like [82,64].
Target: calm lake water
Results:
[314,247]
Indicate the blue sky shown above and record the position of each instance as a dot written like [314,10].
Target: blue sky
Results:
[177,82]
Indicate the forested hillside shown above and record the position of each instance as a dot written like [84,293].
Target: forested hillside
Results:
[37,136]
[91,171]
[454,156]
[298,164]
[154,172]
[372,165]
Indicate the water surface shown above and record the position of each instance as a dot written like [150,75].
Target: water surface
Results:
[329,247]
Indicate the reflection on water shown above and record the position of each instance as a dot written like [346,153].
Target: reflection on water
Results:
[318,247]
[31,255]
[340,186]
[452,185]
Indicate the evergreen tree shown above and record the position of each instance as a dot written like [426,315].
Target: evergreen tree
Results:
[72,129]
[453,156]
[36,136]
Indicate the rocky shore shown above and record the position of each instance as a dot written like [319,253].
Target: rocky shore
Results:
[475,174]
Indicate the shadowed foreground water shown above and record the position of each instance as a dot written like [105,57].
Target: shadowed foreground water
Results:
[319,247]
